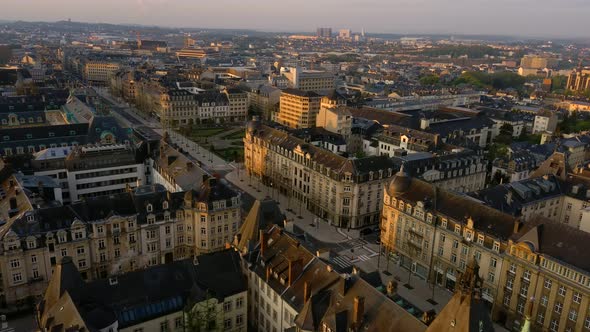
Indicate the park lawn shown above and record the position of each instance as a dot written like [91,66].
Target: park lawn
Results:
[228,153]
[236,135]
[206,132]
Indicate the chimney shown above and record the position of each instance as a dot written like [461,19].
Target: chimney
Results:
[306,291]
[517,224]
[358,310]
[262,243]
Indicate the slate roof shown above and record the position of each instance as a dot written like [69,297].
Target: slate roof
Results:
[456,206]
[512,197]
[138,296]
[558,241]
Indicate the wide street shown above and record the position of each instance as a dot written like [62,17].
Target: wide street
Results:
[347,248]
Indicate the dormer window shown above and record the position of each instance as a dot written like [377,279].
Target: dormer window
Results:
[151,219]
[31,244]
[165,205]
[149,208]
[30,218]
[62,238]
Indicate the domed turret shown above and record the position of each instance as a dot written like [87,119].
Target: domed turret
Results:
[400,183]
[252,125]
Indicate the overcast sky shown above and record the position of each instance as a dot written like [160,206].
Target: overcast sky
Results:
[551,18]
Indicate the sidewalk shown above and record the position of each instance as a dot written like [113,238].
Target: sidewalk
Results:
[292,209]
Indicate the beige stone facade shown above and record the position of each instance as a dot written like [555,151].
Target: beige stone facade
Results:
[345,192]
[298,109]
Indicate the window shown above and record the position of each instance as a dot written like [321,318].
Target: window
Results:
[573,316]
[454,258]
[33,259]
[561,290]
[227,324]
[178,322]
[558,307]
[526,275]
[477,255]
[227,306]
[17,277]
[239,319]
[80,250]
[507,299]
[239,302]
[491,277]
[587,322]
[544,300]
[541,318]
[493,262]
[509,283]
[458,229]
[496,247]
[164,326]
[548,283]
[455,244]
[577,297]
[553,327]
[14,263]
[512,268]
[480,239]
[64,252]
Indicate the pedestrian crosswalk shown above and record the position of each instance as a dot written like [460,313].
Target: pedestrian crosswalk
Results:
[342,261]
[354,243]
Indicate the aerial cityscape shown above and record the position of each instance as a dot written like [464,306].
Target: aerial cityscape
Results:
[264,166]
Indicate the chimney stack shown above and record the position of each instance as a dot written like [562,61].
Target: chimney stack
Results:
[358,310]
[262,243]
[517,224]
[306,291]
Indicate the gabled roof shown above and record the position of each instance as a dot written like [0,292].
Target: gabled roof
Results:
[262,215]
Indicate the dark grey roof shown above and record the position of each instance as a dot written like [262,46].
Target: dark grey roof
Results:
[142,295]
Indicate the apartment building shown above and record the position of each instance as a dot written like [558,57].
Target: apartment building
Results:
[563,199]
[238,104]
[310,80]
[88,171]
[435,233]
[578,80]
[344,192]
[208,293]
[99,72]
[545,279]
[264,99]
[102,170]
[179,107]
[290,288]
[531,61]
[298,108]
[113,234]
[545,121]
[334,116]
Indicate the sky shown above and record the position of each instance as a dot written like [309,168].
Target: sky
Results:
[535,18]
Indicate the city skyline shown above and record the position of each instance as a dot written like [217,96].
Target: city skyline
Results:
[526,18]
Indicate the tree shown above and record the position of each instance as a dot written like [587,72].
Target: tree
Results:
[429,79]
[203,316]
[505,136]
[499,178]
